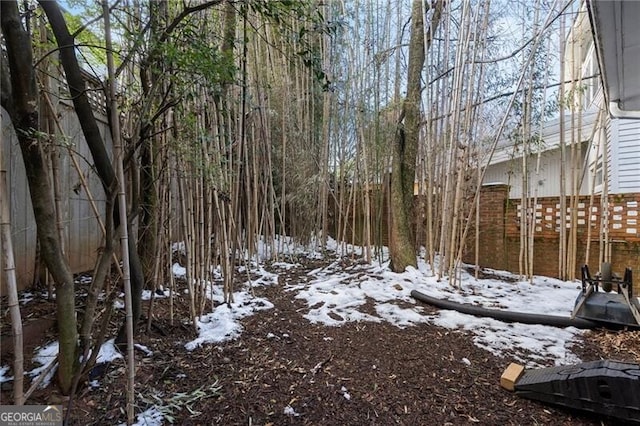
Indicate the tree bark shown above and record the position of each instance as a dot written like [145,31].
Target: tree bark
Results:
[22,105]
[151,70]
[402,248]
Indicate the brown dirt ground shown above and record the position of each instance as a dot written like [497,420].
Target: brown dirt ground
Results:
[357,374]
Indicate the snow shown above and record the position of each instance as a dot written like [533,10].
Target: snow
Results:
[179,271]
[344,393]
[108,352]
[289,411]
[44,355]
[337,293]
[161,294]
[26,297]
[150,417]
[223,323]
[4,374]
[147,352]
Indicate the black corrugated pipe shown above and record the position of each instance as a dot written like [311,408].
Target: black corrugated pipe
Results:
[506,316]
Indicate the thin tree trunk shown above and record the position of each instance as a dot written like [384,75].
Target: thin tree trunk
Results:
[22,108]
[122,212]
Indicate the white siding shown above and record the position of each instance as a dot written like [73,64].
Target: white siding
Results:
[546,182]
[625,156]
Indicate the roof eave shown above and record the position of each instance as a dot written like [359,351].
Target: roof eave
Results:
[617,40]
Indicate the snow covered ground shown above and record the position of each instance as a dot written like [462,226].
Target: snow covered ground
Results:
[335,295]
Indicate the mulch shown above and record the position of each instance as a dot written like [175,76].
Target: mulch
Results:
[284,370]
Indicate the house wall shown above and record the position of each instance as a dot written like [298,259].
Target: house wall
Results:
[544,183]
[624,175]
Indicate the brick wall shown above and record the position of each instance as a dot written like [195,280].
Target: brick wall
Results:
[493,210]
[499,235]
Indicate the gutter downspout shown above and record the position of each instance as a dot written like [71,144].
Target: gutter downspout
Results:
[616,112]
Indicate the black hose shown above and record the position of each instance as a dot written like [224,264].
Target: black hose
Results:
[506,316]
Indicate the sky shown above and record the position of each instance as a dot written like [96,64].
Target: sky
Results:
[335,296]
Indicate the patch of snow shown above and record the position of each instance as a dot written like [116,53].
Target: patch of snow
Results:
[336,295]
[26,297]
[4,370]
[179,271]
[289,411]
[85,279]
[400,317]
[285,265]
[44,356]
[347,292]
[178,247]
[264,277]
[223,323]
[148,352]
[108,352]
[146,294]
[344,392]
[150,417]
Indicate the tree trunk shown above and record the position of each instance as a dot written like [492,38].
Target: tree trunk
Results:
[95,142]
[151,69]
[402,242]
[23,109]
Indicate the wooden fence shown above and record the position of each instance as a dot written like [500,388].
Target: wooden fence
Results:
[70,161]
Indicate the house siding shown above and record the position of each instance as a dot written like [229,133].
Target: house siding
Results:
[629,155]
[624,158]
[546,183]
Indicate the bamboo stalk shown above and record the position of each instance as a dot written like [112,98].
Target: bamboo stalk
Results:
[562,252]
[118,151]
[597,130]
[536,40]
[9,269]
